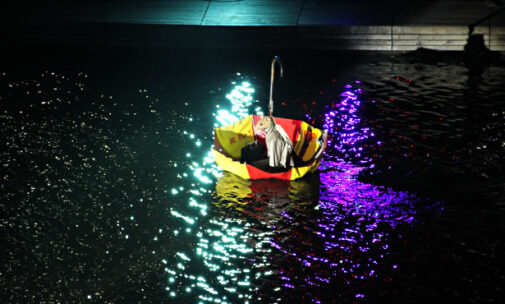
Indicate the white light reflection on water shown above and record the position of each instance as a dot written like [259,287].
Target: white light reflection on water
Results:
[221,245]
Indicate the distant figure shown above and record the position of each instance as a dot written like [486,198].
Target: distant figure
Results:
[279,146]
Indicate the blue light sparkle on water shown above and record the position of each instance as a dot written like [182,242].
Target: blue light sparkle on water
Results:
[328,229]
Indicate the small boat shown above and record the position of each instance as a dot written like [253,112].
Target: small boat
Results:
[308,145]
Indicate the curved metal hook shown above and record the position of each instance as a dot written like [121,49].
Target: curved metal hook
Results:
[272,76]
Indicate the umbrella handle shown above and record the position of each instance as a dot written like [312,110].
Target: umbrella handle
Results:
[272,74]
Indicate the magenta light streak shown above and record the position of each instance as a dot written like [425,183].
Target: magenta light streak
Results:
[343,123]
[348,241]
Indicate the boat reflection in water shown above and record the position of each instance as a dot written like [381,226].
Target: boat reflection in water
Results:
[324,238]
[326,230]
[265,199]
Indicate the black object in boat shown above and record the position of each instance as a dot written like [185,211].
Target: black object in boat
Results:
[252,152]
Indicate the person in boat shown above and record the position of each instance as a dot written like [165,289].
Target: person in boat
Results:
[279,145]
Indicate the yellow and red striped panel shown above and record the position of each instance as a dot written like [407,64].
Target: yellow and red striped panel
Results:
[229,140]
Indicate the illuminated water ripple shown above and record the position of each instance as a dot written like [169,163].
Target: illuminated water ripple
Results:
[272,240]
[343,122]
[344,240]
[177,227]
[221,247]
[109,194]
[76,190]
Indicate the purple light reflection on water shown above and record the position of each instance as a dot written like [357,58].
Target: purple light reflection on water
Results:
[305,237]
[350,231]
[354,221]
[343,123]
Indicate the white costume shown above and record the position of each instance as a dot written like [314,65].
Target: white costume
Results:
[279,147]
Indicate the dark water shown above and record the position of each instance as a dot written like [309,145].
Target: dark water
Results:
[109,194]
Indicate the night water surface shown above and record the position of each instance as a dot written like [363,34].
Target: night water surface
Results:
[109,192]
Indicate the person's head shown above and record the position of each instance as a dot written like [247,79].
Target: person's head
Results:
[264,123]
